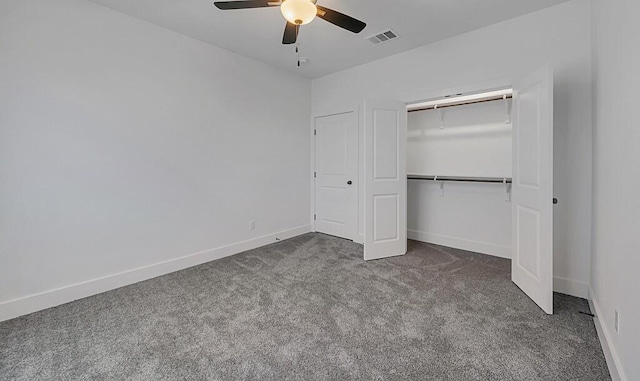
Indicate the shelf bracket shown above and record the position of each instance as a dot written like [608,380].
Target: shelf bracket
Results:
[435,178]
[507,107]
[441,113]
[507,188]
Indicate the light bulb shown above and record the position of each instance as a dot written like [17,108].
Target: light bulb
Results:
[298,12]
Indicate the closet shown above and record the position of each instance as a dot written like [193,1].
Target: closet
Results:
[459,168]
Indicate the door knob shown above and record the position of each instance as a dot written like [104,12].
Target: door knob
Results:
[349,182]
[555,200]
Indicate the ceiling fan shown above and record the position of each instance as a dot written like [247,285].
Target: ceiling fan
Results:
[298,12]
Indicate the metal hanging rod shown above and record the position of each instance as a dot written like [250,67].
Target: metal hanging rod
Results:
[490,99]
[496,180]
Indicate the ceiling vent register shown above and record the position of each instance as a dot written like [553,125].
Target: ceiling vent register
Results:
[382,37]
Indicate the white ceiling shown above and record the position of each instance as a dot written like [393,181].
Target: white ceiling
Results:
[257,33]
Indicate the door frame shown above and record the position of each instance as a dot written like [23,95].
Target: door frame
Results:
[355,109]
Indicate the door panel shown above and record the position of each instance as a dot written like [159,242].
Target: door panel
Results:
[385,217]
[532,259]
[385,180]
[528,245]
[385,145]
[336,201]
[333,140]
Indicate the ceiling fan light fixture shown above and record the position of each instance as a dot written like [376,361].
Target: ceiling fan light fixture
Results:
[299,12]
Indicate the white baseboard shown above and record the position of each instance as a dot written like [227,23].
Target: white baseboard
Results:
[571,287]
[17,307]
[460,243]
[610,354]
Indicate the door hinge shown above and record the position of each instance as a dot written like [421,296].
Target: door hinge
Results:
[314,217]
[314,132]
[314,174]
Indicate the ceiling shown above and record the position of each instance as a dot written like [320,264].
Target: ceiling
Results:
[257,33]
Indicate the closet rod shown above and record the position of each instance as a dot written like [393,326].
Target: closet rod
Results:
[496,98]
[498,180]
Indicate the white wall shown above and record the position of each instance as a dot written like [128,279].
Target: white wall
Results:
[475,141]
[497,55]
[124,145]
[615,267]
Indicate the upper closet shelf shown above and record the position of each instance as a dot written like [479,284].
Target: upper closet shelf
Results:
[460,100]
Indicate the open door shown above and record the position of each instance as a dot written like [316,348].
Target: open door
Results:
[532,259]
[385,179]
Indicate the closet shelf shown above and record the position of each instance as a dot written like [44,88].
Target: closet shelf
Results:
[497,180]
[444,103]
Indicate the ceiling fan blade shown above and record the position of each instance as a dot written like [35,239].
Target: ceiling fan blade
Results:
[341,20]
[248,4]
[290,33]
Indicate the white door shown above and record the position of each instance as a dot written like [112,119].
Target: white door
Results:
[532,259]
[385,177]
[336,191]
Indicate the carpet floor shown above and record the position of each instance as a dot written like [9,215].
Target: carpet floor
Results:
[310,308]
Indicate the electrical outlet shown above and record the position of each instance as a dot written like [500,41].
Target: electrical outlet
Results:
[616,321]
[252,225]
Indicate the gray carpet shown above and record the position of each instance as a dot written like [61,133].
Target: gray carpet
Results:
[311,308]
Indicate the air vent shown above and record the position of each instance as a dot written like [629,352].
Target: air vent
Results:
[385,36]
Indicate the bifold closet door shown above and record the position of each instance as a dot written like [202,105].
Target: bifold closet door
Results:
[385,176]
[532,250]
[336,174]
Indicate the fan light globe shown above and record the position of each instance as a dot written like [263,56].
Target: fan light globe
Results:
[298,12]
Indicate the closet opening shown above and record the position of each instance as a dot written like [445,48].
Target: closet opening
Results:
[459,171]
[480,177]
